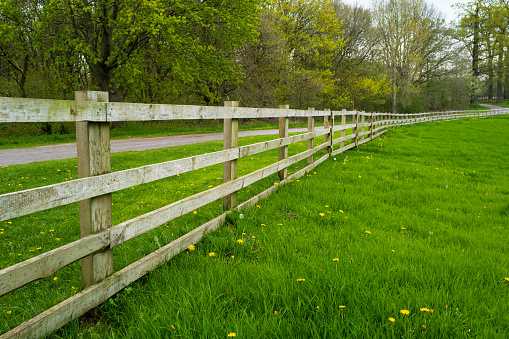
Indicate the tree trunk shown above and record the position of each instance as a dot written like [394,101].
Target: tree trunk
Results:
[490,68]
[475,53]
[500,67]
[393,93]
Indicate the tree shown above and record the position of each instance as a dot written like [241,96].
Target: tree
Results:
[409,33]
[117,37]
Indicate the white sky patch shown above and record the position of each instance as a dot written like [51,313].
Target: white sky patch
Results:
[444,6]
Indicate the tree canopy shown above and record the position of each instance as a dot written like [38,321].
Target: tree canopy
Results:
[399,55]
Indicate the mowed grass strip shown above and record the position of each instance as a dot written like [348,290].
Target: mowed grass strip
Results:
[405,236]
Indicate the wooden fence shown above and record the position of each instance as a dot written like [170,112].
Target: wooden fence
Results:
[92,113]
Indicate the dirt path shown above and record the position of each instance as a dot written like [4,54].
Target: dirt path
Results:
[66,151]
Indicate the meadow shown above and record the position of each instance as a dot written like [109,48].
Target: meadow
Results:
[405,236]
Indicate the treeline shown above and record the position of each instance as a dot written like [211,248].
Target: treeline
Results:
[484,27]
[399,56]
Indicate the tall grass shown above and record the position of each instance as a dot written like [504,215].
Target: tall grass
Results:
[414,221]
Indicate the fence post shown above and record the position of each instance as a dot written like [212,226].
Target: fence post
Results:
[363,120]
[370,128]
[356,129]
[327,137]
[342,133]
[93,148]
[311,127]
[283,133]
[230,140]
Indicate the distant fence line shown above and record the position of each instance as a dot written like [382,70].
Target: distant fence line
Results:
[92,113]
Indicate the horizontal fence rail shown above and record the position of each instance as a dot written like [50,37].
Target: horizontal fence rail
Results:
[92,112]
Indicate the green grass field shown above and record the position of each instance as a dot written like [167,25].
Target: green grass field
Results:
[413,221]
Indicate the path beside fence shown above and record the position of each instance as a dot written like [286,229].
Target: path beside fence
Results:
[66,151]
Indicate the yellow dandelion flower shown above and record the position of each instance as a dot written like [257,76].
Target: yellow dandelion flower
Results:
[342,306]
[172,327]
[240,241]
[341,211]
[321,214]
[275,312]
[233,257]
[431,311]
[424,309]
[403,228]
[232,334]
[326,206]
[52,230]
[191,248]
[368,232]
[55,278]
[317,307]
[42,232]
[507,279]
[264,225]
[258,206]
[335,259]
[195,212]
[360,176]
[276,183]
[9,312]
[392,320]
[423,327]
[301,280]
[211,254]
[405,312]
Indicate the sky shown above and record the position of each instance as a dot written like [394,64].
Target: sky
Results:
[443,6]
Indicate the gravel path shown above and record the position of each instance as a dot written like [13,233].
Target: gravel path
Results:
[66,151]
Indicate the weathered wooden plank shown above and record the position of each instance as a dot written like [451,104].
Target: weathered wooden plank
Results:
[363,141]
[343,127]
[46,264]
[141,224]
[362,134]
[141,112]
[47,110]
[93,146]
[342,149]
